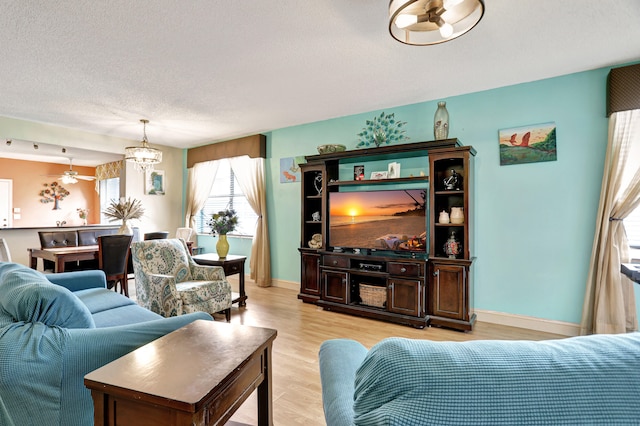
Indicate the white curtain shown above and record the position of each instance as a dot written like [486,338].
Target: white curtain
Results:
[609,303]
[199,183]
[250,175]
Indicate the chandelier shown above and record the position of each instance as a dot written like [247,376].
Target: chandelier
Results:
[143,157]
[425,22]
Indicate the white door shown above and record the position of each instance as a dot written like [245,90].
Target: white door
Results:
[6,202]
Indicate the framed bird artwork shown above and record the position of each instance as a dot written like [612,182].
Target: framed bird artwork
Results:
[528,144]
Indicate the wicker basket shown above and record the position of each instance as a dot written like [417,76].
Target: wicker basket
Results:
[373,295]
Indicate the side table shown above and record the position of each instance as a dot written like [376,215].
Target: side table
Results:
[631,270]
[232,264]
[195,375]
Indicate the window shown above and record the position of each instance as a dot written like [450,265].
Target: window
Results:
[109,190]
[226,193]
[632,227]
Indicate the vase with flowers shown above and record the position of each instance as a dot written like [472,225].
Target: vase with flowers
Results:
[124,210]
[221,224]
[82,214]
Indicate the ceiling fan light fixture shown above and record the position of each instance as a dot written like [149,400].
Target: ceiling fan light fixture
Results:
[427,22]
[67,179]
[143,157]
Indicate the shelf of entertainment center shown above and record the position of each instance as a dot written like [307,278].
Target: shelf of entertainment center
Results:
[414,149]
[378,181]
[450,192]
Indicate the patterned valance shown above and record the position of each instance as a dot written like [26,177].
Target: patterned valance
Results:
[109,170]
[253,146]
[623,89]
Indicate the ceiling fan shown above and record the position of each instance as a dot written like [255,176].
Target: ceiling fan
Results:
[71,176]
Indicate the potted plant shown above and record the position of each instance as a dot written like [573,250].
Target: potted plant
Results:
[221,224]
[124,210]
[83,213]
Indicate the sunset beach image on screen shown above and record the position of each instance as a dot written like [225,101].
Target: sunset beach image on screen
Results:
[383,220]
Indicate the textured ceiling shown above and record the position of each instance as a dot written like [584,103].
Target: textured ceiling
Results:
[211,70]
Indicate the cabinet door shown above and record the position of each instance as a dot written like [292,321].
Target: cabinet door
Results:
[310,280]
[448,291]
[404,297]
[334,286]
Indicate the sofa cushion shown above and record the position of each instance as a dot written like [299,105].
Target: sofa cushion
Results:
[27,296]
[79,280]
[100,299]
[580,380]
[127,314]
[339,360]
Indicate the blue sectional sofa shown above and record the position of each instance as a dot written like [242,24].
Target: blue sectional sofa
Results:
[588,380]
[56,328]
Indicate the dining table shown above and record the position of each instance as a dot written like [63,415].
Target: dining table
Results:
[61,255]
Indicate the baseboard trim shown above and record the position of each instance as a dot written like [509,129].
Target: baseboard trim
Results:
[511,320]
[290,285]
[532,323]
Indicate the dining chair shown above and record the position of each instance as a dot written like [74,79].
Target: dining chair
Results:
[184,233]
[5,255]
[113,257]
[159,235]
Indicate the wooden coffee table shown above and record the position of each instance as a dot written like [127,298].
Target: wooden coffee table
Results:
[232,264]
[198,375]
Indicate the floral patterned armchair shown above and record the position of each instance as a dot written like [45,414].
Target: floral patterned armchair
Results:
[168,281]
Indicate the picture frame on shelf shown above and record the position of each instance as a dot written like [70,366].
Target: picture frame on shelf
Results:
[393,170]
[378,175]
[358,172]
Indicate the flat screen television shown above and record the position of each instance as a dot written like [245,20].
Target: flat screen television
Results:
[390,220]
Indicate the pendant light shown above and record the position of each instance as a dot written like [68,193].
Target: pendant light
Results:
[144,157]
[426,22]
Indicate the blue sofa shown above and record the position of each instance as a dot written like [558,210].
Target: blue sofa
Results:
[588,380]
[56,328]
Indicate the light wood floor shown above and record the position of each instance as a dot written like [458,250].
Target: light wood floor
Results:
[297,398]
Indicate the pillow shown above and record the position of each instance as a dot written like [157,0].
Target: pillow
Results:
[27,296]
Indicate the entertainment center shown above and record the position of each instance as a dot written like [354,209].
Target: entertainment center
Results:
[376,246]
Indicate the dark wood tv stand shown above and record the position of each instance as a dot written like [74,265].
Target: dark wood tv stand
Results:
[397,283]
[427,289]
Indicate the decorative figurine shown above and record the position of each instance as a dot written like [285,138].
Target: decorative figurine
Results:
[317,183]
[453,181]
[316,241]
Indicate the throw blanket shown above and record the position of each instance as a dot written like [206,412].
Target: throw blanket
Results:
[48,342]
[575,381]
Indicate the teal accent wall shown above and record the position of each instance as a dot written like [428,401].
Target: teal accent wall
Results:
[534,223]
